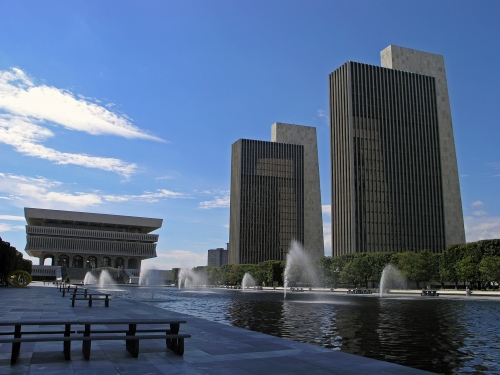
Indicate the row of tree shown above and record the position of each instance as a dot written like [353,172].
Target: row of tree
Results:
[475,262]
[11,260]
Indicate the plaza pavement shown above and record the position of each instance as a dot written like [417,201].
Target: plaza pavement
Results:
[213,348]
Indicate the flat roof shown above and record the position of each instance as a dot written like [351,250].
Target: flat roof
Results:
[34,215]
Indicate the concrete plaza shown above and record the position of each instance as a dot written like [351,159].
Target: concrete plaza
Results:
[213,348]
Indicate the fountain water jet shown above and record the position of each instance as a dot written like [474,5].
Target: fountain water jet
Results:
[150,277]
[247,281]
[191,278]
[391,278]
[89,279]
[106,280]
[299,265]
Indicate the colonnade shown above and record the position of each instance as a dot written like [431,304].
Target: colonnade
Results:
[90,260]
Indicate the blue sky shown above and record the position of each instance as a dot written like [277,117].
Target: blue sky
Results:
[130,108]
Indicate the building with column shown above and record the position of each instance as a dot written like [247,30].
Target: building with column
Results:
[82,240]
[394,171]
[274,188]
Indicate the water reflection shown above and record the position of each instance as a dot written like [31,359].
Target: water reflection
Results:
[439,335]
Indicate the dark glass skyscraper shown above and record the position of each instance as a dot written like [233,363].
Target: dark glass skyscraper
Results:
[267,200]
[388,154]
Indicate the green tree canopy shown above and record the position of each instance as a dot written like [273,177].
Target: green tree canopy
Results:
[489,267]
[11,260]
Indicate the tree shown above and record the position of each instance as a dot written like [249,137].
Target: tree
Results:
[449,259]
[224,274]
[427,266]
[349,276]
[361,268]
[378,261]
[175,275]
[489,267]
[11,260]
[212,275]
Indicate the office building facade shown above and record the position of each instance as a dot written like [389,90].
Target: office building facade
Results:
[271,195]
[394,177]
[217,257]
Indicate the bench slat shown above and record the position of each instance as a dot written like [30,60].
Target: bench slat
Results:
[98,337]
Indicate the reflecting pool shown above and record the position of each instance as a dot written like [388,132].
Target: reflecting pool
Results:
[443,335]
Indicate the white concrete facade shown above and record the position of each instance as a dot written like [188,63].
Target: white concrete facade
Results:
[430,64]
[313,220]
[89,240]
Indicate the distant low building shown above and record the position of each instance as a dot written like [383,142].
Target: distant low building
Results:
[217,257]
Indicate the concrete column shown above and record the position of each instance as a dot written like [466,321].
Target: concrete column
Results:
[313,219]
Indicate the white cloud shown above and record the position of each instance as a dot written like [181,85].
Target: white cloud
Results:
[41,192]
[327,238]
[326,209]
[146,196]
[218,202]
[481,228]
[12,217]
[178,259]
[29,191]
[477,204]
[322,113]
[26,137]
[480,213]
[20,96]
[25,110]
[8,227]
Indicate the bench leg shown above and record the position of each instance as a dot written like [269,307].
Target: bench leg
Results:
[106,302]
[132,345]
[90,301]
[172,344]
[86,344]
[180,347]
[67,344]
[16,346]
[73,302]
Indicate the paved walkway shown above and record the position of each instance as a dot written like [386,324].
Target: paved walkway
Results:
[214,348]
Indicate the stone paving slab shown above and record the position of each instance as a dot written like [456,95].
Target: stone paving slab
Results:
[213,348]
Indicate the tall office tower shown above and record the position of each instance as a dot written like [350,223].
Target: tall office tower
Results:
[394,172]
[269,183]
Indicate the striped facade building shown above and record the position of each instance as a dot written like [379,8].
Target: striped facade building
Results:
[88,240]
[394,172]
[274,188]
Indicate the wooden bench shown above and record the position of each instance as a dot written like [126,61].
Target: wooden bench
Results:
[131,335]
[75,291]
[41,335]
[98,297]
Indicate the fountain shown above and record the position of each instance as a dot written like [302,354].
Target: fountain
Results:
[191,278]
[106,280]
[391,278]
[90,279]
[247,281]
[299,266]
[150,277]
